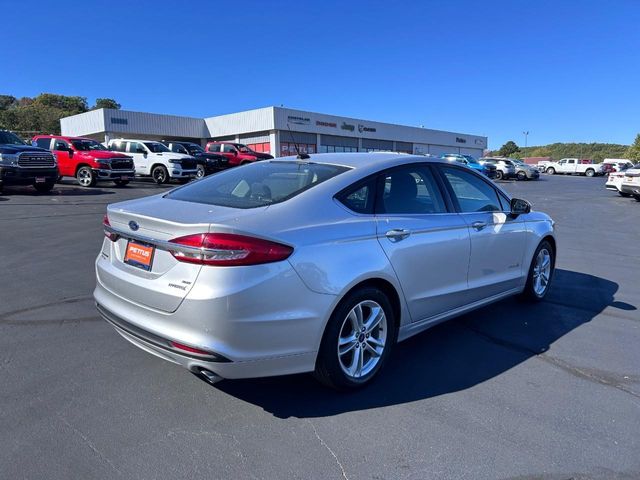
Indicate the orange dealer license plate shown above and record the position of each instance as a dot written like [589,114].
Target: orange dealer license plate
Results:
[139,255]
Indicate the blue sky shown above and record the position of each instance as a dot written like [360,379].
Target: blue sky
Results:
[563,70]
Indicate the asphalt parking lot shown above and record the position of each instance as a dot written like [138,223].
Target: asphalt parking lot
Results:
[550,391]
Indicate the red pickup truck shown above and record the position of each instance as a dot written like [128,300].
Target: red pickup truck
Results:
[87,160]
[237,153]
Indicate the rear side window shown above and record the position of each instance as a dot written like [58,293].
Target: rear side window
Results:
[256,185]
[359,198]
[43,143]
[118,146]
[472,193]
[214,148]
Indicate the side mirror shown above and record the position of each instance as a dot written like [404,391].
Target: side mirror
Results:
[519,206]
[235,153]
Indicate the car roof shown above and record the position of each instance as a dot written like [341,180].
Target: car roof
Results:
[132,140]
[366,160]
[64,137]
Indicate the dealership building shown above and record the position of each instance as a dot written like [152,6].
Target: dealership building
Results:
[274,130]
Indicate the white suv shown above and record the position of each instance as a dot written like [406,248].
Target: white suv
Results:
[155,160]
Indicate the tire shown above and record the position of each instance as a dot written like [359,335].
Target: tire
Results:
[121,183]
[622,194]
[332,368]
[85,176]
[44,187]
[590,172]
[200,172]
[550,171]
[536,287]
[637,197]
[521,176]
[160,174]
[499,175]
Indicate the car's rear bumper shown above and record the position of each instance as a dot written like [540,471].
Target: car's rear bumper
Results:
[630,189]
[250,326]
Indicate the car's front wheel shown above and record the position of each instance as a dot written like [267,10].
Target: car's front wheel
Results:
[86,177]
[357,341]
[160,174]
[522,176]
[540,272]
[200,171]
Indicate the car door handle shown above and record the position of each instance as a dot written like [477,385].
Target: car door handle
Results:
[398,234]
[479,225]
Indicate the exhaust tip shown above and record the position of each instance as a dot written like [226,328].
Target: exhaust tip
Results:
[207,375]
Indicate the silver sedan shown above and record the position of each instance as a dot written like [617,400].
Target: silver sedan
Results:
[316,264]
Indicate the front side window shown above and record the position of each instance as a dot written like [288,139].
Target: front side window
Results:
[177,148]
[60,145]
[10,138]
[256,185]
[156,147]
[410,190]
[228,148]
[194,149]
[472,193]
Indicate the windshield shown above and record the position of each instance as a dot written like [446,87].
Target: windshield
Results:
[9,138]
[470,159]
[176,147]
[193,148]
[156,147]
[87,145]
[256,185]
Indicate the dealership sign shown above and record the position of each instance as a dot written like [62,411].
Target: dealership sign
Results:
[348,127]
[320,123]
[460,140]
[364,128]
[298,120]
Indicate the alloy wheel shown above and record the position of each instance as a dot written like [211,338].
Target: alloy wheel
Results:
[85,177]
[542,272]
[362,339]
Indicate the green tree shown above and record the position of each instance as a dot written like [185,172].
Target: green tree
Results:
[7,101]
[633,152]
[106,103]
[508,149]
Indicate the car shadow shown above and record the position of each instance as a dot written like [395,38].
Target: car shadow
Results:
[58,190]
[450,357]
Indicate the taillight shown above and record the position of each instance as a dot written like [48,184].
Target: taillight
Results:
[105,223]
[227,249]
[189,349]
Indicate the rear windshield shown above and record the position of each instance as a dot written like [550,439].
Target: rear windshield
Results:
[256,185]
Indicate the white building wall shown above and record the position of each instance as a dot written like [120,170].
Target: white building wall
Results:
[238,123]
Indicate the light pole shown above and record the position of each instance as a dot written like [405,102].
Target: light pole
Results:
[526,134]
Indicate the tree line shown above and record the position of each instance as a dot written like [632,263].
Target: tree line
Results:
[593,151]
[29,116]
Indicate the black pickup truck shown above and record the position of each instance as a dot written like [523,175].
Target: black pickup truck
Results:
[208,163]
[22,164]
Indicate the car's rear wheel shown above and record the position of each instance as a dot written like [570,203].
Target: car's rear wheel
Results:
[499,175]
[357,341]
[551,171]
[540,273]
[160,174]
[86,177]
[590,172]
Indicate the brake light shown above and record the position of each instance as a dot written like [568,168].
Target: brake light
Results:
[105,223]
[226,249]
[189,349]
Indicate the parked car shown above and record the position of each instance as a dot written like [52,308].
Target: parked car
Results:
[542,165]
[525,171]
[615,179]
[631,182]
[207,162]
[289,266]
[575,166]
[505,167]
[488,170]
[618,164]
[87,160]
[236,153]
[155,160]
[23,164]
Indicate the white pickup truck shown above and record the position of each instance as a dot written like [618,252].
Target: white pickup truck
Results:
[575,166]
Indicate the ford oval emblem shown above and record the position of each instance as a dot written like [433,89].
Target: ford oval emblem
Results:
[133,225]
